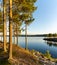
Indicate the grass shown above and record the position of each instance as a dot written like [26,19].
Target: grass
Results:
[23,54]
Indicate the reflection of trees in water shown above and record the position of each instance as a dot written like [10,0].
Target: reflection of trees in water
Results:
[50,43]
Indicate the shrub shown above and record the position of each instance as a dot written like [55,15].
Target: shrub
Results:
[47,54]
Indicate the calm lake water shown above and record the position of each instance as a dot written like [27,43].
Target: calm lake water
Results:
[37,43]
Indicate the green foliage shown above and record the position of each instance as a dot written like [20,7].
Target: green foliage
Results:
[32,51]
[47,54]
[22,12]
[23,9]
[50,35]
[1,15]
[1,27]
[55,35]
[1,21]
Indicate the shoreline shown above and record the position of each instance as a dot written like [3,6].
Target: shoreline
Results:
[21,55]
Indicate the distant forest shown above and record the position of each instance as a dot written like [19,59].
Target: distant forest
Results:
[38,35]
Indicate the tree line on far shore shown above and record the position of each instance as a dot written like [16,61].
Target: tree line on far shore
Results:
[52,35]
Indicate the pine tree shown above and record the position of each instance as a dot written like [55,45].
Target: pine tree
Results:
[10,29]
[4,24]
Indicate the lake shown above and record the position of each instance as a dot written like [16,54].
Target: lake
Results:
[37,43]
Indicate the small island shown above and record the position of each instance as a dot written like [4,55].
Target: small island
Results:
[51,38]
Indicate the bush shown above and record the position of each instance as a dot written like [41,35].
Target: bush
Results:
[47,54]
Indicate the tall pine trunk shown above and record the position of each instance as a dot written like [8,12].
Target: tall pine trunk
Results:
[10,30]
[4,24]
[17,39]
[17,33]
[14,36]
[26,44]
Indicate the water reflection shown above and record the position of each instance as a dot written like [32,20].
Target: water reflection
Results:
[51,43]
[37,43]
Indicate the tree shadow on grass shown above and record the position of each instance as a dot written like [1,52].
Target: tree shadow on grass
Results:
[3,56]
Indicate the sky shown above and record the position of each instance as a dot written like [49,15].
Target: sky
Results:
[45,18]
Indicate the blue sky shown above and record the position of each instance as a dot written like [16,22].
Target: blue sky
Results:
[45,18]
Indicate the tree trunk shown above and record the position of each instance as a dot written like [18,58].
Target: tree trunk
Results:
[13,35]
[10,30]
[26,45]
[10,40]
[4,22]
[17,33]
[17,39]
[14,40]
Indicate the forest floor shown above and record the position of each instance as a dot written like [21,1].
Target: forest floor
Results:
[20,56]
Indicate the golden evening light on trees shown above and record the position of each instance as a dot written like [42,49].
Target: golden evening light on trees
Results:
[16,12]
[22,24]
